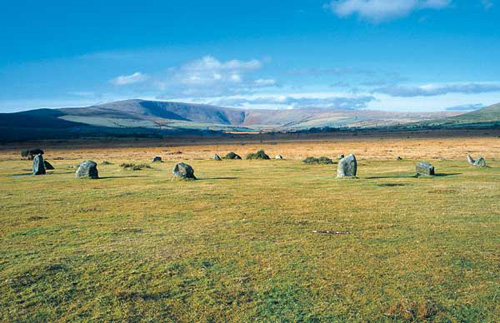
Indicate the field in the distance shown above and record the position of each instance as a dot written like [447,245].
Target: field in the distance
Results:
[238,244]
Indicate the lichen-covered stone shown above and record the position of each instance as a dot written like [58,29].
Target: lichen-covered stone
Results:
[480,162]
[87,169]
[425,169]
[38,165]
[183,171]
[470,159]
[348,167]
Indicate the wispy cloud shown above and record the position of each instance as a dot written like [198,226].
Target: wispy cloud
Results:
[438,89]
[137,77]
[298,102]
[487,4]
[383,10]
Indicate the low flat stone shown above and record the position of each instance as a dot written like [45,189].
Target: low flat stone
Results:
[156,159]
[217,157]
[480,162]
[87,169]
[183,171]
[278,157]
[48,165]
[425,169]
[347,167]
[38,165]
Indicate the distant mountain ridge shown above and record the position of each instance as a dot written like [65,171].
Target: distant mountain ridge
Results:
[143,117]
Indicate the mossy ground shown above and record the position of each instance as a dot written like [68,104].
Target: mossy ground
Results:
[238,244]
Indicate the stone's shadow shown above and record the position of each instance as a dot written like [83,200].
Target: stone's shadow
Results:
[392,176]
[446,174]
[20,175]
[112,177]
[391,185]
[217,178]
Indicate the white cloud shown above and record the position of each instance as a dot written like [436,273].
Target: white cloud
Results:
[382,10]
[438,89]
[209,76]
[137,77]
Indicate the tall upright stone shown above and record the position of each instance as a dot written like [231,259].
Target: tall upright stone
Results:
[183,171]
[470,159]
[425,169]
[87,169]
[348,167]
[38,165]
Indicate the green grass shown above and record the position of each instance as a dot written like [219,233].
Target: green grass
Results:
[238,244]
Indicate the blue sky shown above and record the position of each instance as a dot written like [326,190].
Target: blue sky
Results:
[404,55]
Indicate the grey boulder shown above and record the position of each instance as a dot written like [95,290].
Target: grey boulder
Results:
[87,169]
[217,157]
[278,157]
[480,162]
[425,169]
[156,159]
[183,171]
[38,165]
[348,167]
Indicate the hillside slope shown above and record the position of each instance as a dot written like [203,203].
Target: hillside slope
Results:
[483,118]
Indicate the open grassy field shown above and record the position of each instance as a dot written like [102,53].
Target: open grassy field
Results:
[239,245]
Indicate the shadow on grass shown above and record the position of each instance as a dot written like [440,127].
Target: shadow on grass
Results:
[129,176]
[21,175]
[447,174]
[392,176]
[412,176]
[217,178]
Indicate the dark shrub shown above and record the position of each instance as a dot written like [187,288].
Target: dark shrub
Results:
[31,153]
[134,166]
[320,160]
[258,155]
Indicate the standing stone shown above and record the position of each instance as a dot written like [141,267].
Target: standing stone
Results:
[278,157]
[348,167]
[183,171]
[38,165]
[48,166]
[480,162]
[470,160]
[87,169]
[156,159]
[217,157]
[425,169]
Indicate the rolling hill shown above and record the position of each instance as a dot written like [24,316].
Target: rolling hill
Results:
[484,118]
[156,118]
